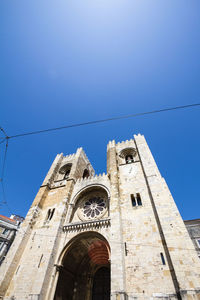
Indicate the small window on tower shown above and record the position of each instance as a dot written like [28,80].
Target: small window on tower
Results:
[139,201]
[162,258]
[133,201]
[129,159]
[136,200]
[64,171]
[50,214]
[86,173]
[128,155]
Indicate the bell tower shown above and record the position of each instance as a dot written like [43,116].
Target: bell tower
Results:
[27,268]
[149,241]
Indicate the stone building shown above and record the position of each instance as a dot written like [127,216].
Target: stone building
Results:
[8,229]
[114,236]
[193,227]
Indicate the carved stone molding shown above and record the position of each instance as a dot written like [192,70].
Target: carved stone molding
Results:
[58,184]
[81,226]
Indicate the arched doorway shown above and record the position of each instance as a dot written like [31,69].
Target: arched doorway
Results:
[85,269]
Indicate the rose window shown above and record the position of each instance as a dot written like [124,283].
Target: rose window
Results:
[94,207]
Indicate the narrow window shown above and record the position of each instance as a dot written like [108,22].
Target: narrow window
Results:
[86,173]
[50,214]
[198,242]
[125,248]
[129,159]
[40,260]
[5,231]
[162,258]
[17,269]
[133,201]
[139,201]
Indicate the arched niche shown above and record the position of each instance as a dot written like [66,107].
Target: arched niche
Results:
[91,203]
[84,263]
[128,155]
[64,172]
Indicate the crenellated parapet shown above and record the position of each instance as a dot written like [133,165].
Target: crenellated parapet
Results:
[97,180]
[91,178]
[111,144]
[125,144]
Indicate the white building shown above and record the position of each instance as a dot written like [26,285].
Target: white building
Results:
[8,228]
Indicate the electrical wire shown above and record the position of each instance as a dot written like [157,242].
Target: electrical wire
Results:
[2,176]
[104,120]
[1,128]
[4,161]
[6,138]
[3,141]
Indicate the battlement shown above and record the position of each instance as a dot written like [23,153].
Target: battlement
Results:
[111,144]
[69,157]
[89,179]
[124,144]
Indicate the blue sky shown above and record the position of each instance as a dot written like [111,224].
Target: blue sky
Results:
[65,62]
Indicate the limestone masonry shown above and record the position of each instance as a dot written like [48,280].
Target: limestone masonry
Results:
[113,236]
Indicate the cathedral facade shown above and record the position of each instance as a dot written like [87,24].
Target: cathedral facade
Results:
[113,236]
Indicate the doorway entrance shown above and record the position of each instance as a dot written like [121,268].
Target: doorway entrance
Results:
[85,270]
[101,284]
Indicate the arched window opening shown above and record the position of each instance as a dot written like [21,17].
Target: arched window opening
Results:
[136,200]
[129,159]
[65,171]
[128,155]
[86,173]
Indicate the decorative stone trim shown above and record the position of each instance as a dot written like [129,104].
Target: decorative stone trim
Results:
[58,184]
[80,226]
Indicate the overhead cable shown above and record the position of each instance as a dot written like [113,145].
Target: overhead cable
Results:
[2,175]
[104,120]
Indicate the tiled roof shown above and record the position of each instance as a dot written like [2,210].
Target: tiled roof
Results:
[4,218]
